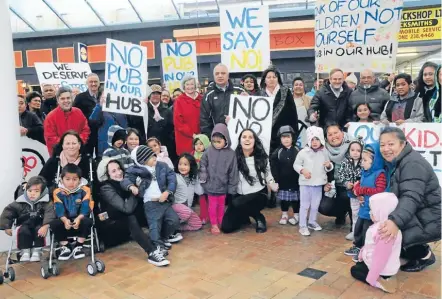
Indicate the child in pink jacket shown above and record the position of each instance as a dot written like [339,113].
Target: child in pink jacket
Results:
[378,259]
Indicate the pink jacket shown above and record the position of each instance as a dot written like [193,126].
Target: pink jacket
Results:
[380,257]
[164,157]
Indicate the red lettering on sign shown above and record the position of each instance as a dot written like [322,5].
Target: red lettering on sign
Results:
[428,139]
[30,163]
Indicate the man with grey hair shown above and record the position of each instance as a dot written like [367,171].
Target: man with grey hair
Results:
[216,101]
[64,118]
[86,101]
[368,92]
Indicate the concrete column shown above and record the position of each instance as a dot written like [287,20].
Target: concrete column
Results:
[10,151]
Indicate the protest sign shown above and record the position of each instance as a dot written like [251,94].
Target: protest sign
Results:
[178,60]
[245,38]
[421,24]
[355,35]
[251,112]
[126,77]
[424,138]
[302,127]
[34,154]
[61,74]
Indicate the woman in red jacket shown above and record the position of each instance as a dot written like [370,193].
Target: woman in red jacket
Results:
[186,115]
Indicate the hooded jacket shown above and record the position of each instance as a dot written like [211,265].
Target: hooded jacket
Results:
[42,211]
[30,121]
[72,203]
[414,109]
[120,154]
[350,172]
[374,96]
[215,106]
[186,120]
[218,168]
[313,160]
[414,182]
[206,143]
[104,120]
[331,109]
[373,180]
[431,98]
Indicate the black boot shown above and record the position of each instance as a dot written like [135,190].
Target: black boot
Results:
[271,202]
[261,226]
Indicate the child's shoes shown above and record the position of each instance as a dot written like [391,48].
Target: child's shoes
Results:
[78,253]
[35,255]
[65,253]
[388,285]
[283,220]
[314,226]
[352,251]
[25,255]
[295,220]
[215,230]
[304,231]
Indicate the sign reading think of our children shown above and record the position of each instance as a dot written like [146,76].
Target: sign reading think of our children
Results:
[178,60]
[245,38]
[424,138]
[126,77]
[357,34]
[251,112]
[63,74]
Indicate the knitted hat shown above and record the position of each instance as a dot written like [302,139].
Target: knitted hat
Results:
[352,79]
[119,135]
[156,88]
[142,154]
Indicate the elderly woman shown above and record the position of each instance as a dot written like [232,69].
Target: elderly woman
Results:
[418,214]
[124,212]
[70,149]
[30,125]
[33,100]
[254,177]
[186,115]
[337,146]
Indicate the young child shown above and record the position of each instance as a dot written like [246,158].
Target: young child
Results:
[34,212]
[312,164]
[132,139]
[379,260]
[160,151]
[281,164]
[373,181]
[363,113]
[200,143]
[116,140]
[186,187]
[72,207]
[156,183]
[218,174]
[349,173]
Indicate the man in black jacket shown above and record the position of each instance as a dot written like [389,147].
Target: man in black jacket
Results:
[49,102]
[330,103]
[216,101]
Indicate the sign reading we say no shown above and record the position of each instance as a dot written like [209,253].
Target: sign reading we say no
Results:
[178,60]
[245,38]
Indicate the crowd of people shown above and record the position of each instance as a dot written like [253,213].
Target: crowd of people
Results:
[154,177]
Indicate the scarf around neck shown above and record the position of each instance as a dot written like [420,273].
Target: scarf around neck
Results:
[157,117]
[337,154]
[64,159]
[275,91]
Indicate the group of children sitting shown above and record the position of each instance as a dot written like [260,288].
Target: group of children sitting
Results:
[168,196]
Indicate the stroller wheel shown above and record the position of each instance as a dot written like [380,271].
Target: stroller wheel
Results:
[55,270]
[11,274]
[44,271]
[91,269]
[100,266]
[102,247]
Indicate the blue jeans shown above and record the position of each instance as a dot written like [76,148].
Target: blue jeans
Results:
[163,221]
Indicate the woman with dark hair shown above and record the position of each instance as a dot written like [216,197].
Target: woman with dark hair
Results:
[429,90]
[33,100]
[405,106]
[30,125]
[124,213]
[363,113]
[70,149]
[254,177]
[250,84]
[132,139]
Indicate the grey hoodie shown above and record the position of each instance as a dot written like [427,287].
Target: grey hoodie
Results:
[218,168]
[374,96]
[414,109]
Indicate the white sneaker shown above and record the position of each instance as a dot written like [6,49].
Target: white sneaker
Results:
[25,255]
[304,231]
[293,221]
[35,255]
[175,238]
[350,237]
[283,220]
[314,226]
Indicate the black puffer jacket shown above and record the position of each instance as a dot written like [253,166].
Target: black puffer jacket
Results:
[418,214]
[374,96]
[117,202]
[215,106]
[30,121]
[331,109]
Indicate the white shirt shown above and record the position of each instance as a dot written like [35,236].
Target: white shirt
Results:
[244,187]
[154,190]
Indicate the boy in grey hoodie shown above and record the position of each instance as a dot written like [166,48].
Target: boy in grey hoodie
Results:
[218,174]
[116,138]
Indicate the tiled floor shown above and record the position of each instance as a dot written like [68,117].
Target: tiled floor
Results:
[240,265]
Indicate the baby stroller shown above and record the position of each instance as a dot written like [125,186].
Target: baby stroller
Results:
[50,267]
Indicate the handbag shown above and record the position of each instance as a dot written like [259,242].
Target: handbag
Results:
[327,207]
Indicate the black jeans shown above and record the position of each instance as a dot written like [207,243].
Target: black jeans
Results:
[241,208]
[342,203]
[360,272]
[361,228]
[415,252]
[27,236]
[162,220]
[285,205]
[138,235]
[61,234]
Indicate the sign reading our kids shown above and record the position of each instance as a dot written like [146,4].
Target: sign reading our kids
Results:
[357,34]
[178,60]
[245,38]
[126,77]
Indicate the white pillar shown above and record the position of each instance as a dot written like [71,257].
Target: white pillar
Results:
[10,152]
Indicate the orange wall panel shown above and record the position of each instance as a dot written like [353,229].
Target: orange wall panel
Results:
[65,55]
[150,46]
[96,53]
[166,41]
[292,41]
[41,55]
[18,57]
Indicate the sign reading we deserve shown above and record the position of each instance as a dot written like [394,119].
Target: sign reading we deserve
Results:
[63,74]
[245,38]
[425,138]
[126,77]
[251,112]
[178,60]
[354,35]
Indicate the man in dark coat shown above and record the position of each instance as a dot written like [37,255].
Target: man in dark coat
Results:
[49,102]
